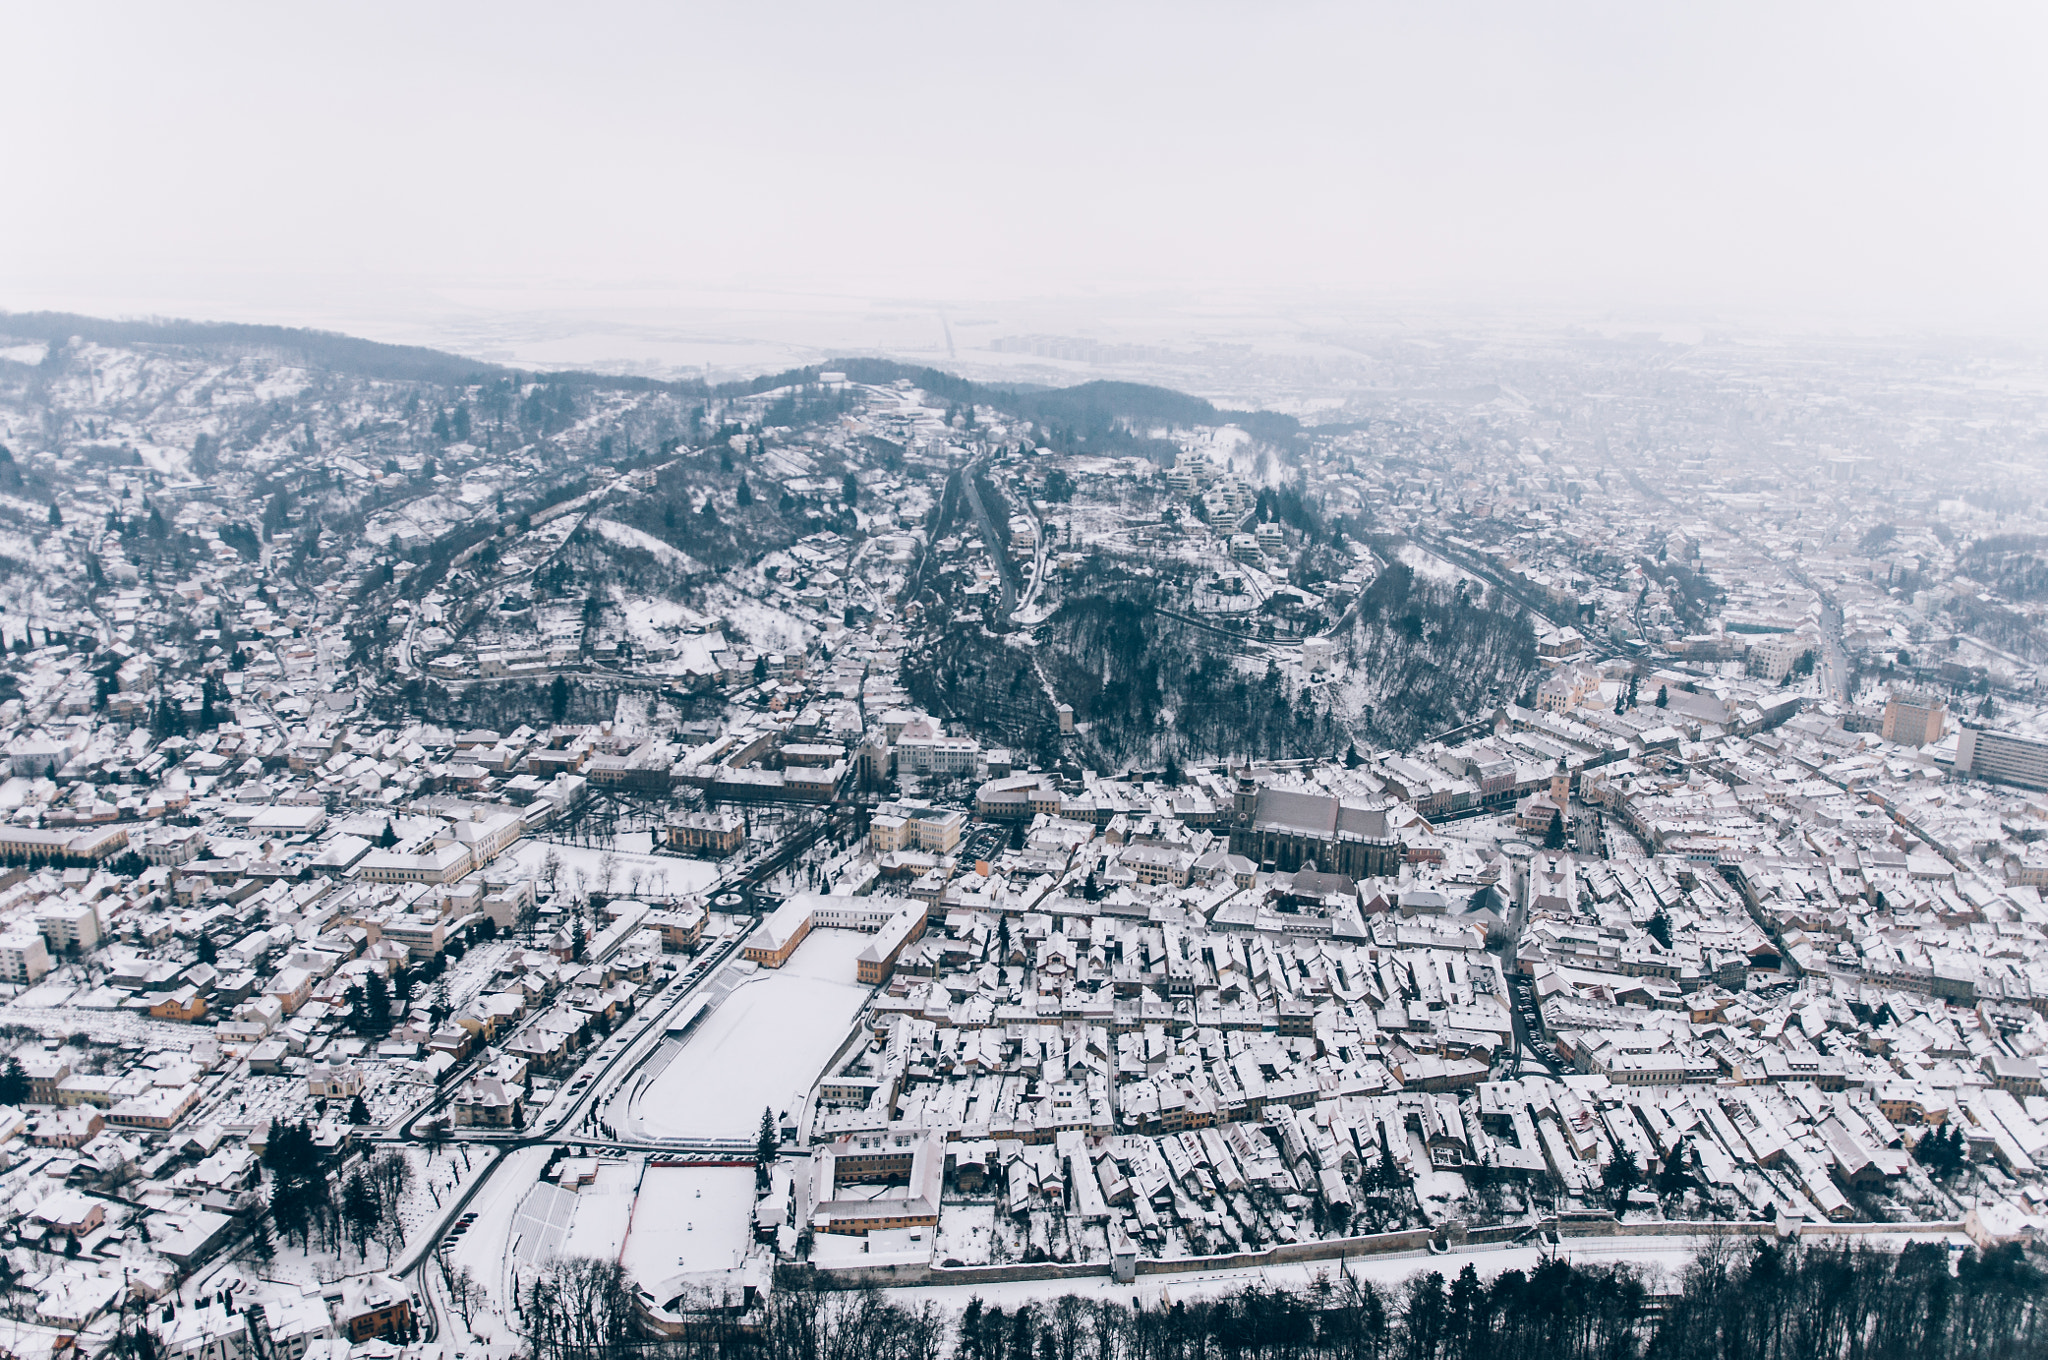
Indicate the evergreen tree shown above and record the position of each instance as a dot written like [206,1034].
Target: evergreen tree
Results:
[56,516]
[1943,1152]
[1672,1179]
[1621,1174]
[1390,1177]
[558,698]
[743,497]
[358,1112]
[14,1084]
[276,515]
[361,1210]
[1663,696]
[1659,928]
[376,1003]
[766,1142]
[1553,839]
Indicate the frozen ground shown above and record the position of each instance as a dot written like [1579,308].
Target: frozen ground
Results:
[626,536]
[762,1047]
[655,875]
[658,1221]
[689,1219]
[1428,564]
[967,1233]
[487,1249]
[603,1209]
[754,622]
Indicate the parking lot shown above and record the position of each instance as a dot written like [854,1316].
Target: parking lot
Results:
[1529,1023]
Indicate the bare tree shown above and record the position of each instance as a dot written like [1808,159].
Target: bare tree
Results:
[577,1308]
[464,1293]
[391,1175]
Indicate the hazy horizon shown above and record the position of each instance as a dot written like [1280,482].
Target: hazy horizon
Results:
[518,182]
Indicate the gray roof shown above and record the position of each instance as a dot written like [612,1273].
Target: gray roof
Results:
[1320,816]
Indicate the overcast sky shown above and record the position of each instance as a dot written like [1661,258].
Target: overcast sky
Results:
[1871,161]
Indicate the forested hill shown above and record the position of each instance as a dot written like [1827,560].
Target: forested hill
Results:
[1091,417]
[1094,417]
[1159,685]
[326,351]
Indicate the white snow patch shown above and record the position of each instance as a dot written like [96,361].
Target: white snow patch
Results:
[659,875]
[763,1047]
[1431,567]
[689,1219]
[626,536]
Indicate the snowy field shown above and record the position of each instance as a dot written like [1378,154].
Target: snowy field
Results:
[603,1209]
[762,1047]
[753,622]
[644,874]
[634,540]
[487,1248]
[1428,565]
[689,1219]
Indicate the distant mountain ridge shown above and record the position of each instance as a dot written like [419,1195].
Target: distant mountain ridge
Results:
[1092,416]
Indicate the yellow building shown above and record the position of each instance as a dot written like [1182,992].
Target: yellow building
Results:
[776,938]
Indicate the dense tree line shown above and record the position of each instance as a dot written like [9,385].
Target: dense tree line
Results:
[996,504]
[1695,597]
[1777,1302]
[1425,655]
[1422,656]
[308,1207]
[968,674]
[1159,686]
[1754,1300]
[2014,565]
[1996,623]
[706,506]
[502,707]
[322,350]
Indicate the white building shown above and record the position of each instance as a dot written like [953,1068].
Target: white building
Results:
[23,959]
[69,926]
